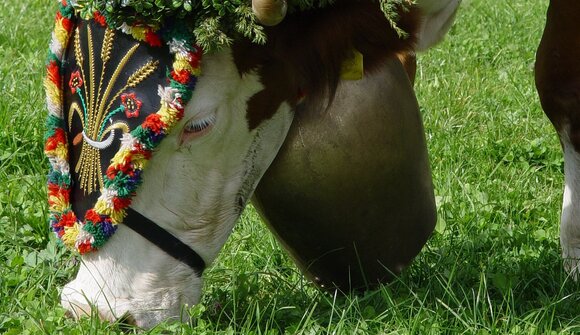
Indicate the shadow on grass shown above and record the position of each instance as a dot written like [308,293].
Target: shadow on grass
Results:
[459,287]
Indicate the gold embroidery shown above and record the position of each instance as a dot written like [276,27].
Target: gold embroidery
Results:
[116,74]
[74,108]
[107,45]
[119,125]
[91,88]
[149,68]
[89,168]
[141,74]
[105,56]
[98,129]
[78,53]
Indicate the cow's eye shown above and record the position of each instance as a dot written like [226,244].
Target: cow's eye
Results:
[198,127]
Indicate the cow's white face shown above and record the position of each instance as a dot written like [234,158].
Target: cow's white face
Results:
[195,187]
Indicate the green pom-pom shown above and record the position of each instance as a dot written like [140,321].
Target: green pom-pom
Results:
[52,123]
[98,235]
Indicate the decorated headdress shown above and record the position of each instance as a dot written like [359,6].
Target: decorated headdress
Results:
[105,59]
[101,129]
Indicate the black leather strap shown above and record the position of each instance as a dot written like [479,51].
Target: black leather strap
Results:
[164,240]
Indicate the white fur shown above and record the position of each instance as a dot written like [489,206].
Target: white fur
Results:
[570,221]
[438,18]
[194,191]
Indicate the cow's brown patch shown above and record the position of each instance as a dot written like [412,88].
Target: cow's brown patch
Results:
[558,68]
[304,53]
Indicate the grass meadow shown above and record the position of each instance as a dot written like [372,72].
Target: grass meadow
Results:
[492,266]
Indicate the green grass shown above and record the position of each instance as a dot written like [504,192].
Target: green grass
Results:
[492,267]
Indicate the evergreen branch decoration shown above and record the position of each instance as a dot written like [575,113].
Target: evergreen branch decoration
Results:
[213,22]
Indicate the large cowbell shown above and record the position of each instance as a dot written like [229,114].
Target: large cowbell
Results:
[110,87]
[350,194]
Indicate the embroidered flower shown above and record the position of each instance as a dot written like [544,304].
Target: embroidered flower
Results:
[132,105]
[76,81]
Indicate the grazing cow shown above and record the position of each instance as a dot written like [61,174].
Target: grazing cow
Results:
[203,173]
[558,83]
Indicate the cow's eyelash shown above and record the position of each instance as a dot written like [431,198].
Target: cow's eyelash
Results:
[195,126]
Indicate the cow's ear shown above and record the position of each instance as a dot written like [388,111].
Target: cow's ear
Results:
[438,16]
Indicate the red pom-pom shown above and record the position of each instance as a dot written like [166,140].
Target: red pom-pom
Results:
[92,216]
[68,220]
[121,203]
[152,38]
[153,122]
[56,139]
[140,150]
[111,172]
[100,19]
[54,73]
[67,24]
[53,189]
[195,57]
[182,76]
[85,247]
[59,193]
[125,168]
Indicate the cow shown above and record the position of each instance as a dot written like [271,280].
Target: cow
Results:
[202,175]
[557,76]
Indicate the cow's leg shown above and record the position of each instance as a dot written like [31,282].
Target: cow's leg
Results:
[558,83]
[570,223]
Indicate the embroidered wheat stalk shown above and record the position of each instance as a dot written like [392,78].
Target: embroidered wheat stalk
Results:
[141,74]
[107,45]
[78,53]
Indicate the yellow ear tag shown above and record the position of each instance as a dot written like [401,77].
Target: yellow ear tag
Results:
[353,68]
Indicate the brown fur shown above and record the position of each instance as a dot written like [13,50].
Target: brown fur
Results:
[304,53]
[558,67]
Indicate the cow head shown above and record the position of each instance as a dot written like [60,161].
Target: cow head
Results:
[197,184]
[202,174]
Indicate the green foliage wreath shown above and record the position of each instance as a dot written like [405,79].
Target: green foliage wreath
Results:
[213,22]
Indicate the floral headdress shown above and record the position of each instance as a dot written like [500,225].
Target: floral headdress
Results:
[78,103]
[118,183]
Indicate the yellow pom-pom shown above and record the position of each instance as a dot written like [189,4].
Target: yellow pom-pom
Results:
[70,235]
[60,33]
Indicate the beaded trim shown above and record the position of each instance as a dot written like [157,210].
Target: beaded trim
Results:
[123,175]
